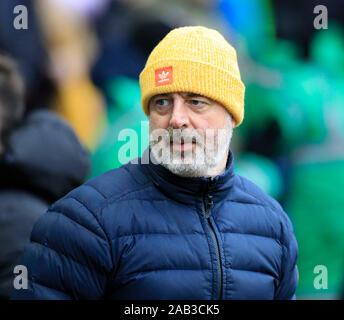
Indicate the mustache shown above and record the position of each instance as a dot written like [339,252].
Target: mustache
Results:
[210,137]
[185,135]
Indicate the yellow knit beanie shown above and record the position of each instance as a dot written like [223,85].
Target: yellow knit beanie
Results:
[197,60]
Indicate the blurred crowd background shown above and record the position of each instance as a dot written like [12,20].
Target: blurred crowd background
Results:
[81,60]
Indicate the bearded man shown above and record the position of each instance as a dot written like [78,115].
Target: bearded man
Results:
[178,223]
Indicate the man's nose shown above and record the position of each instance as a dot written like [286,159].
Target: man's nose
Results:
[179,116]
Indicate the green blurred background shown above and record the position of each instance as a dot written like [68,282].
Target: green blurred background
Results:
[291,142]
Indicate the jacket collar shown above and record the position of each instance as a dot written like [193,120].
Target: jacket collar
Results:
[188,190]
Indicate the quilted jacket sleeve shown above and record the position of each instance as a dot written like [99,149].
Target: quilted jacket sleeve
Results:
[289,276]
[69,255]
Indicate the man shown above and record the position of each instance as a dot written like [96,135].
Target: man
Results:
[178,223]
[40,161]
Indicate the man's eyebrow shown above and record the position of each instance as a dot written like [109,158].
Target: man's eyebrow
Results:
[184,94]
[193,95]
[161,95]
[196,95]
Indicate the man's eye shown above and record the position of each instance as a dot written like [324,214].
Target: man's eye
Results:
[162,102]
[196,102]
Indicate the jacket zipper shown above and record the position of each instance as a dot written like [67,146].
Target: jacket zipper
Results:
[207,204]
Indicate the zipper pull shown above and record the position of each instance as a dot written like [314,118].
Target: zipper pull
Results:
[209,205]
[210,200]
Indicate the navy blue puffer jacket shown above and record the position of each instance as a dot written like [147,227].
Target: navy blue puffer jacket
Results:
[141,232]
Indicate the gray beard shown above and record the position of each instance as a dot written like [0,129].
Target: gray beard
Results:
[206,159]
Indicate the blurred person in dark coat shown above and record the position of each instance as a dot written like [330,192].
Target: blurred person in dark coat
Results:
[27,47]
[40,161]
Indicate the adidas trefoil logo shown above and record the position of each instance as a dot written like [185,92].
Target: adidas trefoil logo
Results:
[163,76]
